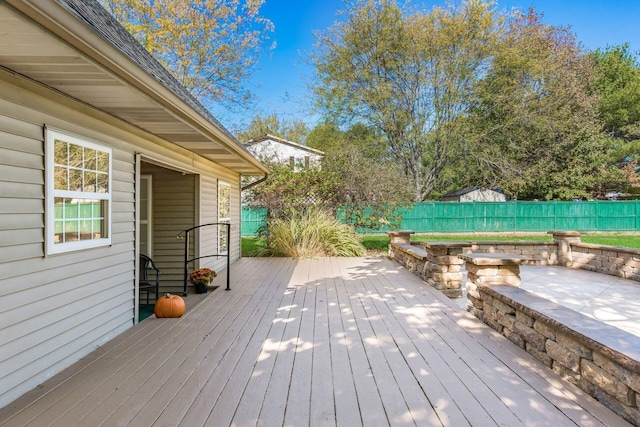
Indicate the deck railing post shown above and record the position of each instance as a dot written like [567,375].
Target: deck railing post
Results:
[186,253]
[186,263]
[228,288]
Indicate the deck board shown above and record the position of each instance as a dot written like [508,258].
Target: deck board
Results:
[371,408]
[140,382]
[235,346]
[250,403]
[342,358]
[244,369]
[324,342]
[322,410]
[299,390]
[272,407]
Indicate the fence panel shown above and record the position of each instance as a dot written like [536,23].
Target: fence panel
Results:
[581,216]
[451,217]
[469,217]
[252,220]
[491,216]
[617,216]
[535,216]
[418,216]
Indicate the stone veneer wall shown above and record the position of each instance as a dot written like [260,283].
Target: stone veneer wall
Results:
[600,359]
[412,256]
[438,263]
[621,262]
[543,253]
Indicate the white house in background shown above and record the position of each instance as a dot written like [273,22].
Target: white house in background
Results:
[103,156]
[474,194]
[269,148]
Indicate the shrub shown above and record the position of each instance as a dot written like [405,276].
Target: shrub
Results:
[312,233]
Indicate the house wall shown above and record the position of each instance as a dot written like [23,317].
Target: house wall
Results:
[175,209]
[281,153]
[56,309]
[208,239]
[484,195]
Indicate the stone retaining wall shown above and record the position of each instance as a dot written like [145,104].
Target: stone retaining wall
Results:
[566,250]
[542,253]
[413,257]
[600,359]
[621,262]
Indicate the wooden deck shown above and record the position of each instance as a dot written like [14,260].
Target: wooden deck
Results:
[325,342]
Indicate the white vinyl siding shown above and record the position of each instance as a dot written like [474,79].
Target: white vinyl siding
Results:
[21,191]
[57,309]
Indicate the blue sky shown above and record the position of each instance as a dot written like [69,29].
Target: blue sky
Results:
[281,83]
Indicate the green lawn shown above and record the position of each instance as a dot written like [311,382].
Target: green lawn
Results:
[249,245]
[613,239]
[380,242]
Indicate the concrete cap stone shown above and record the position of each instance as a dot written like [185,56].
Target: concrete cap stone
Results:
[497,259]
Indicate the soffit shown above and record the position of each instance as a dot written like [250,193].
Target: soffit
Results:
[30,50]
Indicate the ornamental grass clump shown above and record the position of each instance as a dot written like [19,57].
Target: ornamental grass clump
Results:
[312,233]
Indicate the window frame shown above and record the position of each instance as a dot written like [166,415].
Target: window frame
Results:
[223,220]
[52,248]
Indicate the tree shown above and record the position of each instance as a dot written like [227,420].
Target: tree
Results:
[533,129]
[328,137]
[286,191]
[408,76]
[352,182]
[369,186]
[293,130]
[210,46]
[617,83]
[369,193]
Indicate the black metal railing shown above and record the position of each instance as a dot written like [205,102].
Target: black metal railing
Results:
[188,260]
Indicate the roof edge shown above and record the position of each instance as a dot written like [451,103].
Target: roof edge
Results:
[268,136]
[62,18]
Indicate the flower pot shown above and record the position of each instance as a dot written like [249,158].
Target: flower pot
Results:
[201,288]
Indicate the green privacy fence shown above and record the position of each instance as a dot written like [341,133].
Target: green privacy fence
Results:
[523,216]
[470,217]
[252,219]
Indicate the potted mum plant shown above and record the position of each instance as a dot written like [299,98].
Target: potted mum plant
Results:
[201,278]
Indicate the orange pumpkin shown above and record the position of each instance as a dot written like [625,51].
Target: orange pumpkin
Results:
[169,306]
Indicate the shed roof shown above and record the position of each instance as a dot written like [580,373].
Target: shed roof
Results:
[77,48]
[463,191]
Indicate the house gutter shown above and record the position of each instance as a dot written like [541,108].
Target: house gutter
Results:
[254,183]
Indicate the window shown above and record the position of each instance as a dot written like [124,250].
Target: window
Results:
[146,215]
[224,215]
[78,193]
